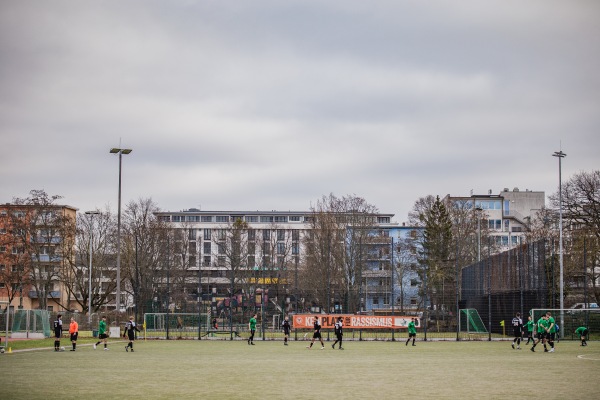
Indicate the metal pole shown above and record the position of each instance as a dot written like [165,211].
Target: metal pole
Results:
[392,288]
[199,291]
[560,156]
[456,285]
[118,294]
[489,262]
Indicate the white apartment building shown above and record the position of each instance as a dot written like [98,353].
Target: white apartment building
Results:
[508,213]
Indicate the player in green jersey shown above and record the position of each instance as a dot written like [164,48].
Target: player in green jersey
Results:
[102,333]
[582,331]
[412,332]
[550,331]
[252,328]
[541,333]
[530,324]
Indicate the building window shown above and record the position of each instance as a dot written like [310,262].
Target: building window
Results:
[295,234]
[206,218]
[164,218]
[280,218]
[375,301]
[192,234]
[266,249]
[383,220]
[207,234]
[251,261]
[2,249]
[266,234]
[207,249]
[280,248]
[222,218]
[221,234]
[2,231]
[207,261]
[295,248]
[280,234]
[386,300]
[192,218]
[413,301]
[414,282]
[177,218]
[294,218]
[251,218]
[251,247]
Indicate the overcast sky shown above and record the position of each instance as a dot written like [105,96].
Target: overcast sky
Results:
[271,104]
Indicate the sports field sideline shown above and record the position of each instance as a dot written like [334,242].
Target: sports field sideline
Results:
[270,370]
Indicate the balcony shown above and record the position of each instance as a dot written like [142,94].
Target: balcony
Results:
[54,294]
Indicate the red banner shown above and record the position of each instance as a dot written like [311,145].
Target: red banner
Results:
[351,321]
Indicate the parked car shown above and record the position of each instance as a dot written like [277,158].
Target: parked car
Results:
[577,306]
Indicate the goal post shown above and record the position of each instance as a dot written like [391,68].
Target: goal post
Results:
[470,321]
[572,319]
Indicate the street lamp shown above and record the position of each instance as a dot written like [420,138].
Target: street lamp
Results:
[560,156]
[91,214]
[120,152]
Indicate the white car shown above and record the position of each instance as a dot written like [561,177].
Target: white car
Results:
[577,306]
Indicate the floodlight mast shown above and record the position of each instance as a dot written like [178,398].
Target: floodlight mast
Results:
[120,152]
[560,156]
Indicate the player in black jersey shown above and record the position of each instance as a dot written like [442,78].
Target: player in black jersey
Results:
[57,332]
[130,329]
[338,329]
[285,325]
[517,324]
[317,334]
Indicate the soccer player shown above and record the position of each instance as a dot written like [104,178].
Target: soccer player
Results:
[338,328]
[412,332]
[316,334]
[517,324]
[252,327]
[530,324]
[541,333]
[74,332]
[550,331]
[285,325]
[130,329]
[102,333]
[57,332]
[582,331]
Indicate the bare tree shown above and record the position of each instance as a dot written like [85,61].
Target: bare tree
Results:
[143,260]
[336,249]
[581,205]
[48,233]
[77,280]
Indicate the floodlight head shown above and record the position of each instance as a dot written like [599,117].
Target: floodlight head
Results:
[114,151]
[126,151]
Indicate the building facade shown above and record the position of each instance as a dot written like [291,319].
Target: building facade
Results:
[275,253]
[508,214]
[36,243]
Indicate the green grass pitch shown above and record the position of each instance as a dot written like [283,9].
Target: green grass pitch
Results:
[269,370]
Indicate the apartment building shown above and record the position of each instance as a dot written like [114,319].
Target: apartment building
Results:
[35,243]
[508,213]
[276,250]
